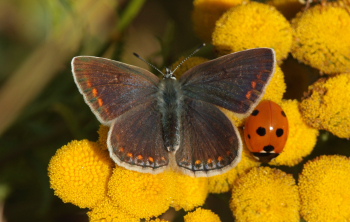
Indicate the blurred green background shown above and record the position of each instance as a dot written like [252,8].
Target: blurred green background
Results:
[41,108]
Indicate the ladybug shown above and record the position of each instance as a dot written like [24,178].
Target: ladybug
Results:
[266,131]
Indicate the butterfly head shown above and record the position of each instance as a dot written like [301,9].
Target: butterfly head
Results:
[169,74]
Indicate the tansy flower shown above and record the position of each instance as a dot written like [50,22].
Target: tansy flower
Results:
[106,211]
[289,8]
[143,195]
[250,26]
[327,105]
[321,38]
[324,189]
[79,173]
[200,215]
[189,192]
[207,12]
[301,140]
[276,88]
[265,194]
[224,182]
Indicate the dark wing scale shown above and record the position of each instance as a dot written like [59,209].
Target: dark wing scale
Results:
[210,144]
[235,81]
[112,88]
[135,140]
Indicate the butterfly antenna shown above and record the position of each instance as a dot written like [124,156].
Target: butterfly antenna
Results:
[153,66]
[194,52]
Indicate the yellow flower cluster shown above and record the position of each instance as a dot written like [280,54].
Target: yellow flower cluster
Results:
[327,105]
[253,25]
[321,38]
[324,189]
[79,173]
[82,173]
[301,140]
[205,14]
[265,194]
[200,215]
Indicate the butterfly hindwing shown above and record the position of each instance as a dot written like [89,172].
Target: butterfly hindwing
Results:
[135,140]
[235,81]
[210,144]
[112,88]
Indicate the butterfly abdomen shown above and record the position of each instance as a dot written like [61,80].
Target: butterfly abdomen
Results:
[170,101]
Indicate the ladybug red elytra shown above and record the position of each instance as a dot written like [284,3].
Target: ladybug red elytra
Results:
[266,131]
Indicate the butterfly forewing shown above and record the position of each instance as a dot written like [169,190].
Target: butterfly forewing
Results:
[135,140]
[112,88]
[235,81]
[210,144]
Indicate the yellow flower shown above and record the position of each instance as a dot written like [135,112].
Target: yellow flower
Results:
[103,134]
[301,140]
[200,215]
[265,194]
[79,173]
[289,8]
[250,26]
[223,183]
[190,192]
[321,38]
[143,195]
[327,105]
[324,189]
[207,12]
[106,211]
[276,88]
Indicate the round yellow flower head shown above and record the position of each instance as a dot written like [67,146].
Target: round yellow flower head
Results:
[143,195]
[190,192]
[106,211]
[324,189]
[265,194]
[301,140]
[253,25]
[200,215]
[289,8]
[276,88]
[223,183]
[327,105]
[321,38]
[207,12]
[103,134]
[79,173]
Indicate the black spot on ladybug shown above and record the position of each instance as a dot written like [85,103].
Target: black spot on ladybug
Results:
[248,136]
[269,148]
[261,131]
[283,113]
[279,132]
[255,112]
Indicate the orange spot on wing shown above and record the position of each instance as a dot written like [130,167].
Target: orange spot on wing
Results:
[198,162]
[94,92]
[100,102]
[151,159]
[89,84]
[220,158]
[253,84]
[248,95]
[210,160]
[140,157]
[129,154]
[121,149]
